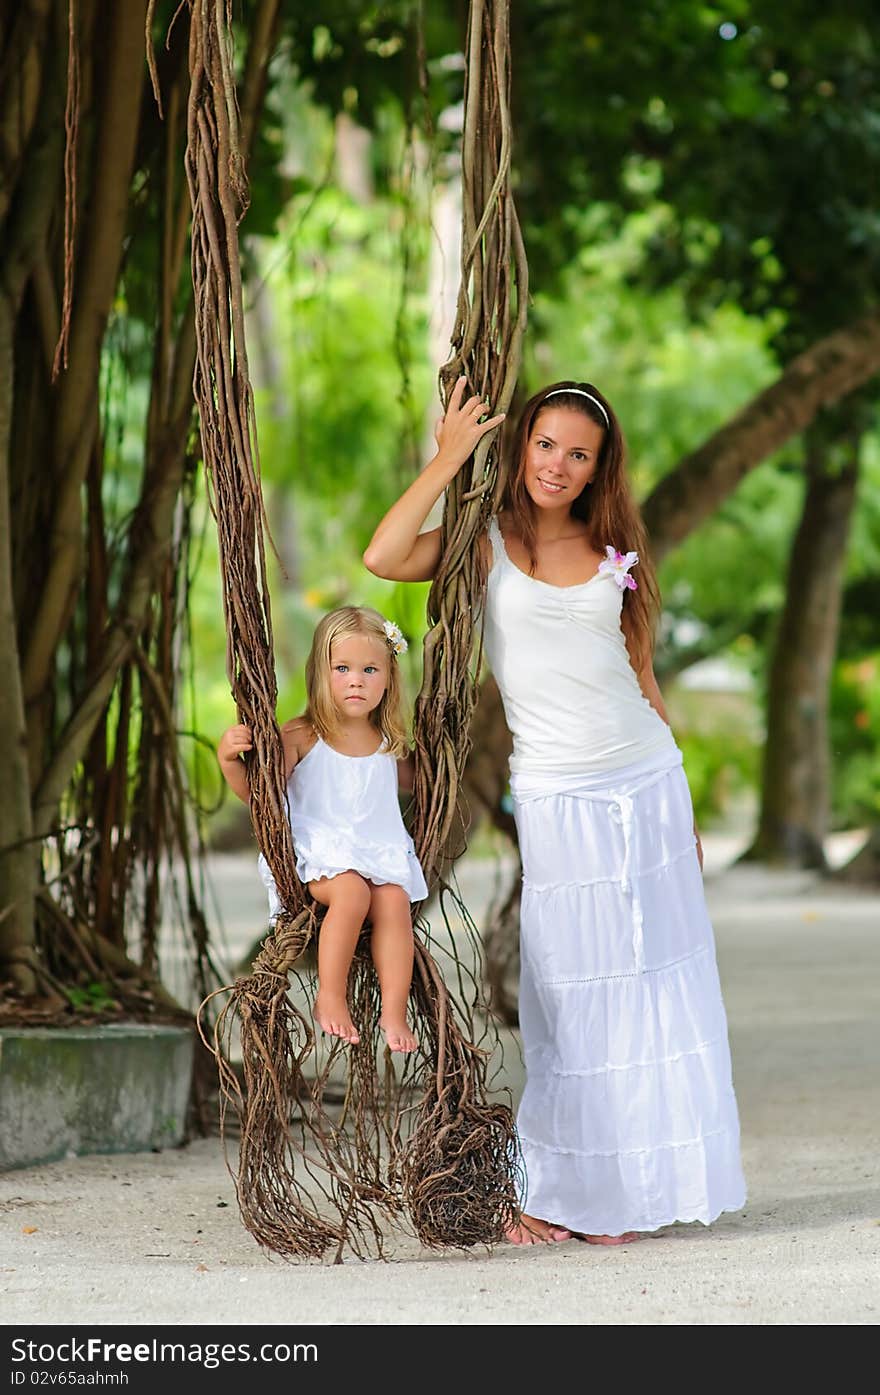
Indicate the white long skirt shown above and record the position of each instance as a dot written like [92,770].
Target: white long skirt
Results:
[628,1120]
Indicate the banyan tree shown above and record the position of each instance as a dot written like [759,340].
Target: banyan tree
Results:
[95,207]
[429,1145]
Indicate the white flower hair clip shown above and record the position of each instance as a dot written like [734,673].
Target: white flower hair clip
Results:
[394,635]
[617,565]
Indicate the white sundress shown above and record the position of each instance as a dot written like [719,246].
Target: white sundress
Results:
[628,1119]
[345,816]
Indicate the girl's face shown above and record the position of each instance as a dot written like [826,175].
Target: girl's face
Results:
[561,456]
[358,674]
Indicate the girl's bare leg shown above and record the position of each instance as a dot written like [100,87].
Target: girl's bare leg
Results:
[348,900]
[391,941]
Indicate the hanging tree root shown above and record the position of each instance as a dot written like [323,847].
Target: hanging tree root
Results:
[305,1183]
[291,1173]
[460,1170]
[501,939]
[290,1149]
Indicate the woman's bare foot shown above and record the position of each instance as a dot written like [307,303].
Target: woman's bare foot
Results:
[625,1239]
[397,1034]
[532,1231]
[333,1017]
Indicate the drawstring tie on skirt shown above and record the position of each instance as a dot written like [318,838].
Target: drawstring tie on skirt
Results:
[621,809]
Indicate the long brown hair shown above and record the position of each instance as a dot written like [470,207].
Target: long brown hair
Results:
[321,709]
[605,505]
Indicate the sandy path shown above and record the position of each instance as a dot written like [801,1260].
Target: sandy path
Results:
[156,1238]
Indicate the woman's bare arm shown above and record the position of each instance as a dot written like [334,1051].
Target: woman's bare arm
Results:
[397,550]
[651,689]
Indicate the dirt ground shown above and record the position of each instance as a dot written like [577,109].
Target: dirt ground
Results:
[157,1238]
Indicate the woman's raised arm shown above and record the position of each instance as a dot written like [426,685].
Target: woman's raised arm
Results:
[397,550]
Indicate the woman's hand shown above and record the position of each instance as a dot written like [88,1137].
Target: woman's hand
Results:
[699,847]
[398,550]
[233,742]
[458,433]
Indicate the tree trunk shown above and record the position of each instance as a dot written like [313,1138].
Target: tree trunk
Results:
[76,416]
[864,868]
[443,260]
[151,530]
[353,173]
[797,763]
[17,860]
[31,142]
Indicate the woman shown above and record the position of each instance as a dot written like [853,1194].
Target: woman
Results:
[628,1121]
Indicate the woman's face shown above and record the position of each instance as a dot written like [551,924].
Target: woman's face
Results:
[561,456]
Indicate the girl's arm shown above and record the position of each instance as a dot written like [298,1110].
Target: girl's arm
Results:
[650,687]
[397,551]
[236,740]
[232,745]
[297,740]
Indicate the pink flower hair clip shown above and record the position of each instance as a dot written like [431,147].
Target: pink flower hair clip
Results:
[617,565]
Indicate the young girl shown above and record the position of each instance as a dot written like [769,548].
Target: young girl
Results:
[344,759]
[628,1121]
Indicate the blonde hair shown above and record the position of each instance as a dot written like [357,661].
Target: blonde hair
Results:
[321,710]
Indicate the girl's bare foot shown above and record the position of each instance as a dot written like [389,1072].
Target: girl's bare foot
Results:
[397,1034]
[333,1017]
[532,1231]
[625,1239]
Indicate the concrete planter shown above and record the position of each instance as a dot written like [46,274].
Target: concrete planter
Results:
[117,1088]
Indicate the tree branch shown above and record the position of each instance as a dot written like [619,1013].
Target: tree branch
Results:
[151,529]
[817,378]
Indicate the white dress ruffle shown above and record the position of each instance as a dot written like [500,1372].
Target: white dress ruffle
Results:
[628,1120]
[345,816]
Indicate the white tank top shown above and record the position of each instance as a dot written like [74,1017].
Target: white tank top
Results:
[571,696]
[345,815]
[355,793]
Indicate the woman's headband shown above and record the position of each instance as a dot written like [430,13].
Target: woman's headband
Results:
[580,392]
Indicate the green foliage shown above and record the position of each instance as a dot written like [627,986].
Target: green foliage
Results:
[721,774]
[672,383]
[94,997]
[855,723]
[749,127]
[719,735]
[334,422]
[695,207]
[355,57]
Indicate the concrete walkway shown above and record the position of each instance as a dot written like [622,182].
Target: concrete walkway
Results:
[156,1238]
